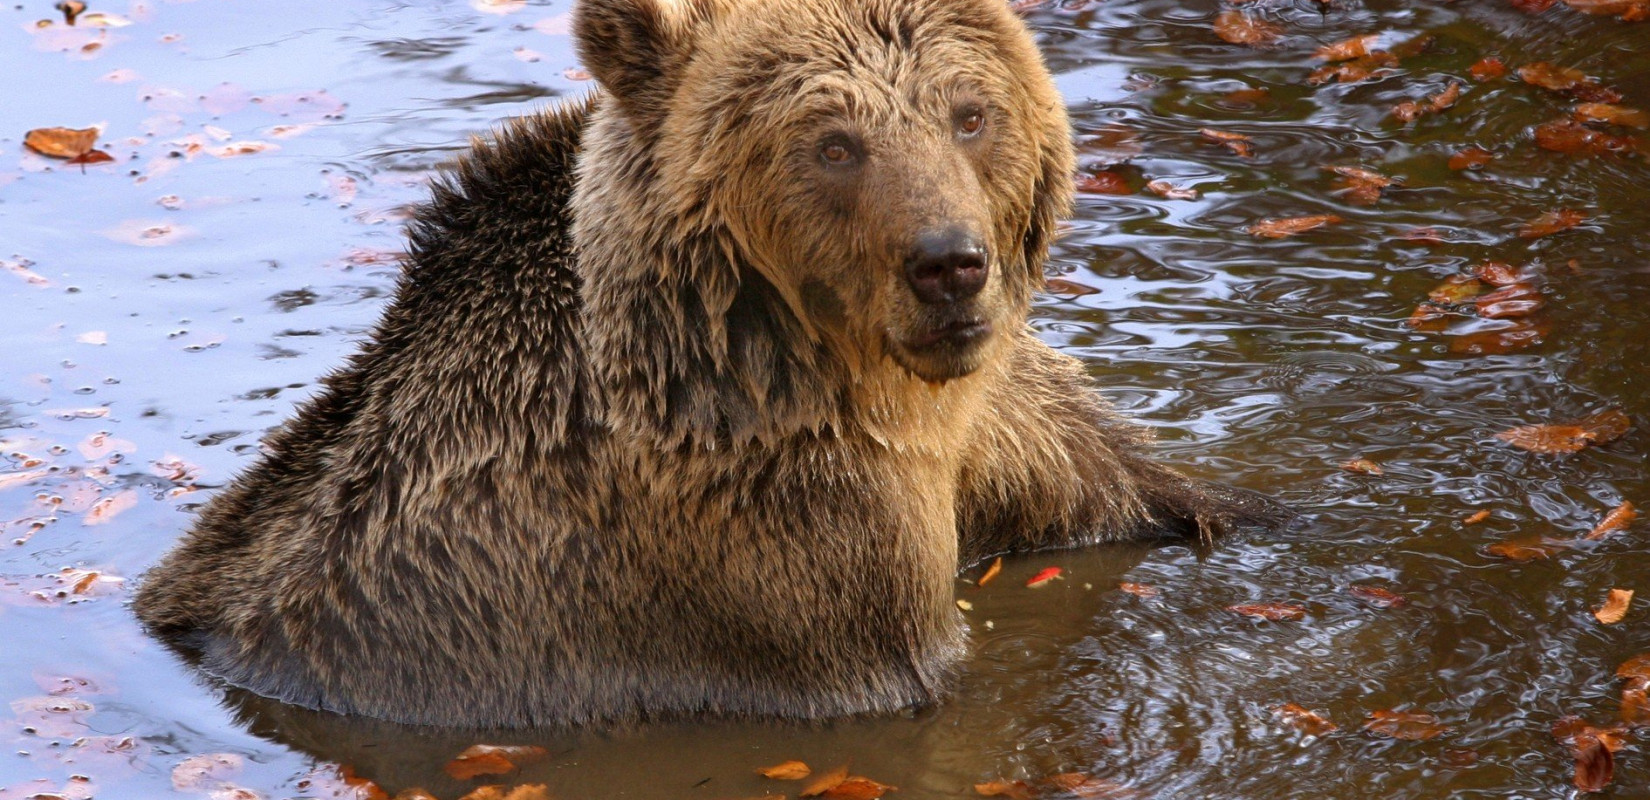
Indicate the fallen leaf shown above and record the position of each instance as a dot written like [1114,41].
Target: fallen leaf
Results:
[825,782]
[498,6]
[1348,49]
[242,149]
[107,508]
[1304,720]
[1570,136]
[1496,273]
[1363,465]
[1376,596]
[1428,317]
[1360,69]
[1550,223]
[991,572]
[1594,750]
[1529,548]
[1519,336]
[1601,428]
[1476,518]
[1636,671]
[1627,10]
[1612,114]
[489,759]
[1139,589]
[1405,725]
[1569,81]
[1169,191]
[787,771]
[526,791]
[858,788]
[61,142]
[1013,790]
[205,772]
[1515,300]
[1066,287]
[1103,183]
[1360,186]
[1470,158]
[964,605]
[1456,289]
[1043,577]
[1487,69]
[1236,142]
[1238,27]
[1635,707]
[1271,611]
[1615,606]
[1077,784]
[1281,228]
[1618,519]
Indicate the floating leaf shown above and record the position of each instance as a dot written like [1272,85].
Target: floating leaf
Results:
[1627,10]
[1139,589]
[1519,336]
[1601,428]
[1456,289]
[1612,114]
[1169,191]
[1289,226]
[1550,223]
[526,791]
[1103,183]
[205,772]
[1573,82]
[1360,186]
[825,782]
[1238,27]
[1271,611]
[489,759]
[1364,466]
[1066,287]
[1615,606]
[1013,790]
[1569,136]
[1236,142]
[1405,725]
[786,771]
[1529,548]
[1375,595]
[1617,520]
[107,508]
[1496,273]
[1515,300]
[1470,158]
[858,788]
[1476,518]
[991,572]
[1593,749]
[1046,575]
[61,142]
[1348,49]
[1487,70]
[1304,720]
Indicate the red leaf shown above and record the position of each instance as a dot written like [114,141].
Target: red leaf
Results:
[1281,228]
[1405,725]
[1304,720]
[1550,223]
[488,759]
[1271,611]
[1103,183]
[1377,596]
[1044,577]
[1237,27]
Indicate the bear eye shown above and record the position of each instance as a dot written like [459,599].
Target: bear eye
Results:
[971,123]
[837,152]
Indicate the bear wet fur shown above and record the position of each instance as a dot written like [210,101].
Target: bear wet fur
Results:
[660,423]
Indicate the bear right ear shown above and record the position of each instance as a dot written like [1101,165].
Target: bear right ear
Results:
[634,48]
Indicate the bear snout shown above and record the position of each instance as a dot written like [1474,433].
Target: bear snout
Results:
[947,266]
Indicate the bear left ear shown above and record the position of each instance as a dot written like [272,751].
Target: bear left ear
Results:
[635,48]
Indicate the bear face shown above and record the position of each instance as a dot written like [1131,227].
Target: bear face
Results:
[892,168]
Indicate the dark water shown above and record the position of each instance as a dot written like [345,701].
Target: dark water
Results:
[183,303]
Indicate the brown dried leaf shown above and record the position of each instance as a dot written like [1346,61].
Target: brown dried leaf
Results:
[1627,10]
[1068,287]
[1524,334]
[1601,428]
[489,759]
[1476,518]
[1103,183]
[1428,317]
[787,771]
[205,772]
[1013,790]
[106,509]
[1529,548]
[1348,49]
[1304,720]
[1236,142]
[1635,707]
[1487,70]
[1271,611]
[1405,725]
[991,572]
[1573,82]
[526,791]
[1376,596]
[1615,606]
[1593,749]
[1140,589]
[1612,114]
[858,788]
[1237,27]
[1516,300]
[825,782]
[60,142]
[1569,136]
[1364,466]
[1618,519]
[1169,191]
[1550,223]
[1456,289]
[1470,158]
[1496,273]
[1281,228]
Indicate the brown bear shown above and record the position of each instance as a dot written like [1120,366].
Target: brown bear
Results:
[693,396]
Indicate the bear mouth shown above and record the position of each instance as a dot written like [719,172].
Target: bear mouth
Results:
[957,334]
[944,350]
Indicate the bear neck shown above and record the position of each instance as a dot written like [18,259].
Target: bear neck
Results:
[690,345]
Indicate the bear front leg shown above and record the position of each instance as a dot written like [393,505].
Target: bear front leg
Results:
[1051,466]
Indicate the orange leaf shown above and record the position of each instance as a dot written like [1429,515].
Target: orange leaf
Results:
[1456,289]
[1281,228]
[1511,339]
[1573,82]
[1476,518]
[1377,596]
[526,791]
[60,142]
[1046,575]
[991,572]
[1593,749]
[1405,725]
[1272,611]
[1013,790]
[1635,707]
[1364,466]
[1470,158]
[1613,114]
[1347,49]
[1304,720]
[1103,183]
[1498,274]
[787,771]
[858,788]
[1428,317]
[1517,300]
[1615,606]
[488,759]
[1076,784]
[1063,286]
[1169,191]
[1618,519]
[825,782]
[1569,136]
[1528,548]
[1487,70]
[1236,142]
[1636,670]
[205,772]
[1601,428]
[1237,27]
[1139,589]
[106,509]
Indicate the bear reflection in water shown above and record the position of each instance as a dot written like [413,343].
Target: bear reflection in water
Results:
[694,395]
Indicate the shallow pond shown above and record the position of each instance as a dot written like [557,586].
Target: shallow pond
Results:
[164,310]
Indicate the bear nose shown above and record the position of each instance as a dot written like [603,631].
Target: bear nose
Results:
[946,266]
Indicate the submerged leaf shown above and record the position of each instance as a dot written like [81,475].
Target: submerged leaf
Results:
[786,771]
[1282,228]
[1271,611]
[1618,519]
[1238,27]
[1304,720]
[488,759]
[1615,606]
[1405,725]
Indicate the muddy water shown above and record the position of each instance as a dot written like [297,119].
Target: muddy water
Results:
[182,299]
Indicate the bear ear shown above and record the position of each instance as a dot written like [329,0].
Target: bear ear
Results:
[634,48]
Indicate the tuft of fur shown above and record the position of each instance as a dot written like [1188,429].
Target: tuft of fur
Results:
[636,438]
